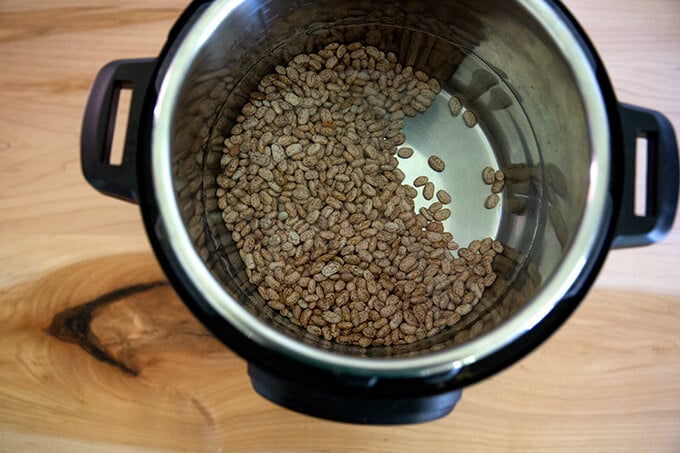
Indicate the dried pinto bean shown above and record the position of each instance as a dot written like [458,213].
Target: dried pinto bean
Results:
[436,163]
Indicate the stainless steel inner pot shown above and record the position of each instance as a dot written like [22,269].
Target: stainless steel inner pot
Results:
[542,119]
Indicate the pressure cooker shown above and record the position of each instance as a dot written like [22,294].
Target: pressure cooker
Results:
[546,111]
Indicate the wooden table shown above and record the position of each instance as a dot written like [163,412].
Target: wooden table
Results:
[146,376]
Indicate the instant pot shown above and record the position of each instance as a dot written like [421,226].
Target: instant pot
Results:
[548,117]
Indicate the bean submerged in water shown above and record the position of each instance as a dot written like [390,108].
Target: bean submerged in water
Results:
[491,201]
[470,119]
[455,106]
[443,196]
[420,181]
[489,175]
[405,152]
[428,191]
[436,163]
[442,214]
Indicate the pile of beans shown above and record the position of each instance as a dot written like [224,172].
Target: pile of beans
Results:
[313,196]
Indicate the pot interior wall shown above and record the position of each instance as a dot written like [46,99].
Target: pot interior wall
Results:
[491,54]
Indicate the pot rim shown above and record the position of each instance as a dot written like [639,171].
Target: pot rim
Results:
[584,245]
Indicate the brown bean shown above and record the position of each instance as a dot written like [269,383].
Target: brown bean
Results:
[491,201]
[436,163]
[428,191]
[443,196]
[489,175]
[455,106]
[405,152]
[442,214]
[420,181]
[469,118]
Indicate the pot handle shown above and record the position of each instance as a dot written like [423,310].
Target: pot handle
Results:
[118,181]
[662,178]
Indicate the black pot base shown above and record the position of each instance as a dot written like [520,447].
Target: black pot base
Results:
[351,407]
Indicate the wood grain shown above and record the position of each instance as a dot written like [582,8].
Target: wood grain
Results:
[97,353]
[105,350]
